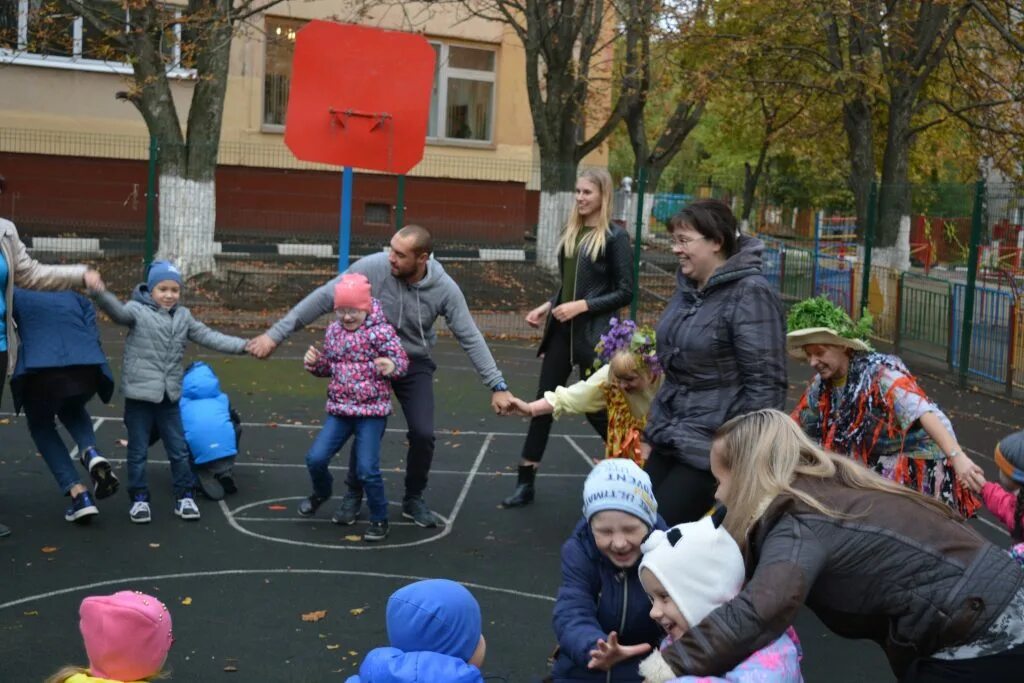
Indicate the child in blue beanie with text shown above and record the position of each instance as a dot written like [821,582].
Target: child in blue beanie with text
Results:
[434,631]
[151,379]
[601,613]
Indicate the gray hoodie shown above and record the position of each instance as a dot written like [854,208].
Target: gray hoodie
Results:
[156,343]
[410,308]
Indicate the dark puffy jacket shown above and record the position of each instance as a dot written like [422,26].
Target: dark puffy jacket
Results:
[57,330]
[595,598]
[605,284]
[723,349]
[890,570]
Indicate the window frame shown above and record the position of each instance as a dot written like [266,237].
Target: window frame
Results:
[444,72]
[20,56]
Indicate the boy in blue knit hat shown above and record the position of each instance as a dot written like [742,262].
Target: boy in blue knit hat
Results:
[151,380]
[434,630]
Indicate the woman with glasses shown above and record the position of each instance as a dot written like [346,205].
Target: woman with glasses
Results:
[722,344]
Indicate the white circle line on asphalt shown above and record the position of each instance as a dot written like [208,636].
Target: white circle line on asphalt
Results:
[239,572]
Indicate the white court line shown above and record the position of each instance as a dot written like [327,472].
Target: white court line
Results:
[239,572]
[995,526]
[96,423]
[449,523]
[586,458]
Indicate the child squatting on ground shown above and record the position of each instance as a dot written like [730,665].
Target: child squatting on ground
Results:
[624,385]
[212,431]
[361,354]
[434,632]
[151,379]
[127,637]
[1005,500]
[689,571]
[600,617]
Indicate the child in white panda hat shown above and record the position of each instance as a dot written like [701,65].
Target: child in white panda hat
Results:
[689,571]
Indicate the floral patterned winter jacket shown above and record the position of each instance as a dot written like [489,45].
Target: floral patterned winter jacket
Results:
[357,388]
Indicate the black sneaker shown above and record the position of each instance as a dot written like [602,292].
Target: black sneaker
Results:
[209,485]
[416,509]
[104,481]
[310,504]
[82,508]
[227,482]
[377,531]
[348,512]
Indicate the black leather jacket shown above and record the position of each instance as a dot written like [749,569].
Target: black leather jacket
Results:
[606,284]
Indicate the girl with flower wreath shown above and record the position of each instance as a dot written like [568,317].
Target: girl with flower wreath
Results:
[624,384]
[868,406]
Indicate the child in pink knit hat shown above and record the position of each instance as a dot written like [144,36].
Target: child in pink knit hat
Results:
[127,636]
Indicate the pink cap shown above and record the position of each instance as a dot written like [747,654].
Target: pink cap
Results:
[127,635]
[353,291]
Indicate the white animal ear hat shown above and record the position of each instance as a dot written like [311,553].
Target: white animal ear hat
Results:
[698,563]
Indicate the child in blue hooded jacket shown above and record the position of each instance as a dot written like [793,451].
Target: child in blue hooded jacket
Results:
[212,430]
[601,617]
[434,631]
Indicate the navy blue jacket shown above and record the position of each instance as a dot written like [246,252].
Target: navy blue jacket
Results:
[595,598]
[206,415]
[57,330]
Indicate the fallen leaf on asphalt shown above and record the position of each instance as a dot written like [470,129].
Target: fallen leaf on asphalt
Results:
[353,653]
[333,647]
[231,668]
[5,421]
[49,548]
[353,538]
[33,613]
[187,601]
[314,616]
[277,507]
[122,442]
[357,611]
[154,545]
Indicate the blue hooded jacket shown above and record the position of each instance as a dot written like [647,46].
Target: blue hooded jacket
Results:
[206,415]
[595,598]
[57,330]
[434,629]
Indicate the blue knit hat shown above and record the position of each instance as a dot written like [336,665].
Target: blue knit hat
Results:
[436,615]
[1010,457]
[160,271]
[620,484]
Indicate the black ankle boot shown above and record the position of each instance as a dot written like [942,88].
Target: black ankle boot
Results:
[523,495]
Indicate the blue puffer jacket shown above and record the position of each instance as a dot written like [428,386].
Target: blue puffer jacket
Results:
[206,415]
[390,665]
[57,330]
[595,598]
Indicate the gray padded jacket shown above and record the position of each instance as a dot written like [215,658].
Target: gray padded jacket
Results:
[155,345]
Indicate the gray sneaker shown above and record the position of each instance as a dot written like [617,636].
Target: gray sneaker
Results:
[140,513]
[348,512]
[415,508]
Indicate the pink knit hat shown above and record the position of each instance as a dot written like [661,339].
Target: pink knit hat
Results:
[127,635]
[353,291]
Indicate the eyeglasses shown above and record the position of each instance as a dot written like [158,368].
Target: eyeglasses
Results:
[348,312]
[685,241]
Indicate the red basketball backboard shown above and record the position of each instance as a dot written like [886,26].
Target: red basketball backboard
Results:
[359,96]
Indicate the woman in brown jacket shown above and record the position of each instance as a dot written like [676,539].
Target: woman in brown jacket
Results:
[17,268]
[870,558]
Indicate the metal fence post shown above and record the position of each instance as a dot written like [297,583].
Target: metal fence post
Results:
[869,240]
[1011,350]
[400,204]
[638,233]
[967,324]
[817,253]
[898,333]
[154,152]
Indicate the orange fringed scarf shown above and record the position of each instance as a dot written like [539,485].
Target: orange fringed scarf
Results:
[624,429]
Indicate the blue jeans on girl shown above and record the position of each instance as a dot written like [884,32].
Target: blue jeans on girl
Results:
[364,461]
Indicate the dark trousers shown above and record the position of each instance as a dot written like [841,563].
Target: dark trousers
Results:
[554,372]
[71,412]
[684,493]
[415,393]
[140,418]
[1004,667]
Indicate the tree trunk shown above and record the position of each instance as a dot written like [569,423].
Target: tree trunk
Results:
[894,192]
[187,219]
[557,195]
[751,177]
[860,140]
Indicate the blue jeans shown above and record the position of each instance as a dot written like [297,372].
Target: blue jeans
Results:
[75,418]
[364,462]
[140,417]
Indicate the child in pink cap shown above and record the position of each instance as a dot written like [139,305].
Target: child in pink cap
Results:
[361,354]
[127,636]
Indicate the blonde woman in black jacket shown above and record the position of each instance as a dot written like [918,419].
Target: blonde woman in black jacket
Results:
[596,268]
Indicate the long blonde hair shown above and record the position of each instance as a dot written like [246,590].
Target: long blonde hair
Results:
[594,243]
[766,450]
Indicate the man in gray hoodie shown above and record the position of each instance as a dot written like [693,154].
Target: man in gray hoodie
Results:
[413,291]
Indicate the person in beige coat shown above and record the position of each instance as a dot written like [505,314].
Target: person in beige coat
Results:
[17,268]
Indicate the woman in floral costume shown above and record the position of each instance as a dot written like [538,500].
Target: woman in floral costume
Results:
[868,406]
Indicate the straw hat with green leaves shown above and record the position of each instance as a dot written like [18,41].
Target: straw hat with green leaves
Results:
[819,321]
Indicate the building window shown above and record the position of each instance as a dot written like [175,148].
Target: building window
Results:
[49,33]
[280,50]
[462,101]
[378,214]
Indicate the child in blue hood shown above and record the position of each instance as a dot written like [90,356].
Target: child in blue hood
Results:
[212,430]
[434,630]
[601,615]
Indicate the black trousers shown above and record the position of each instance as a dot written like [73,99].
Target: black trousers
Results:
[554,372]
[1004,667]
[684,493]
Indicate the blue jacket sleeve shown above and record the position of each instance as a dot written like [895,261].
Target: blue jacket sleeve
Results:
[575,617]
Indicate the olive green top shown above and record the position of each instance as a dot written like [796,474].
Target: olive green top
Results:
[569,268]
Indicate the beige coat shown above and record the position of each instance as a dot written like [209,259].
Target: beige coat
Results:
[26,272]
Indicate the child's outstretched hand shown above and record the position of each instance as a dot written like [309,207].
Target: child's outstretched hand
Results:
[609,653]
[312,356]
[385,366]
[518,406]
